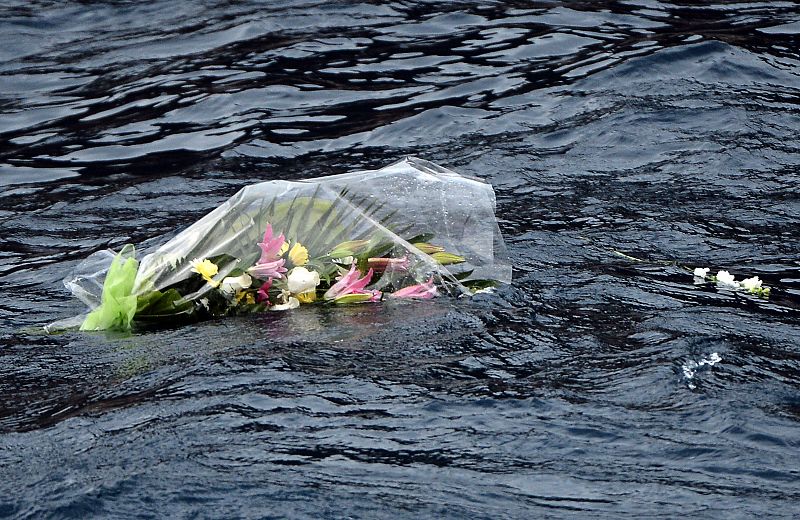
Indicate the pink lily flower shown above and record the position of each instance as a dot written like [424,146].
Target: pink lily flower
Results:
[274,269]
[350,288]
[422,291]
[262,295]
[271,246]
[270,265]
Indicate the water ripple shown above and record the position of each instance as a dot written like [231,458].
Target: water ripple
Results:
[596,384]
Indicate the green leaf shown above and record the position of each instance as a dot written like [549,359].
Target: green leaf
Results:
[464,275]
[378,247]
[424,237]
[158,304]
[477,285]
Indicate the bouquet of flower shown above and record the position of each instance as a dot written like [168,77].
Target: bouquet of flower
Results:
[412,230]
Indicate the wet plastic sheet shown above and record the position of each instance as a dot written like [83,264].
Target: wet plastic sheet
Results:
[406,225]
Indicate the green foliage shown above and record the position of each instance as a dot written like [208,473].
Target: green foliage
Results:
[478,285]
[463,275]
[158,305]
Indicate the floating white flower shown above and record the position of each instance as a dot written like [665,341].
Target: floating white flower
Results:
[752,284]
[302,280]
[302,284]
[726,278]
[691,367]
[231,284]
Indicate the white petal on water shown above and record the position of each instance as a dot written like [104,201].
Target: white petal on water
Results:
[690,367]
[726,278]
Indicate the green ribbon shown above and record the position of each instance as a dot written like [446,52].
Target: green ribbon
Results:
[118,305]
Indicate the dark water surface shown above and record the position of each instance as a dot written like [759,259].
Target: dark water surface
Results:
[593,386]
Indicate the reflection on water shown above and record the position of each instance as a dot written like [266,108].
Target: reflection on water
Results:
[665,131]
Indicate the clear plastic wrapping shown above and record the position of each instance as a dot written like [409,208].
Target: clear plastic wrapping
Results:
[410,230]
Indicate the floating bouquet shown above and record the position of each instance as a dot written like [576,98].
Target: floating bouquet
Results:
[412,230]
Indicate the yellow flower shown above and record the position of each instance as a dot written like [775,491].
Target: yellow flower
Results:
[247,296]
[243,294]
[298,254]
[307,297]
[205,268]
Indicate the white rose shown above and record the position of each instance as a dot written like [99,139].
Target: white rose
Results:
[302,280]
[231,284]
[726,278]
[700,272]
[751,283]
